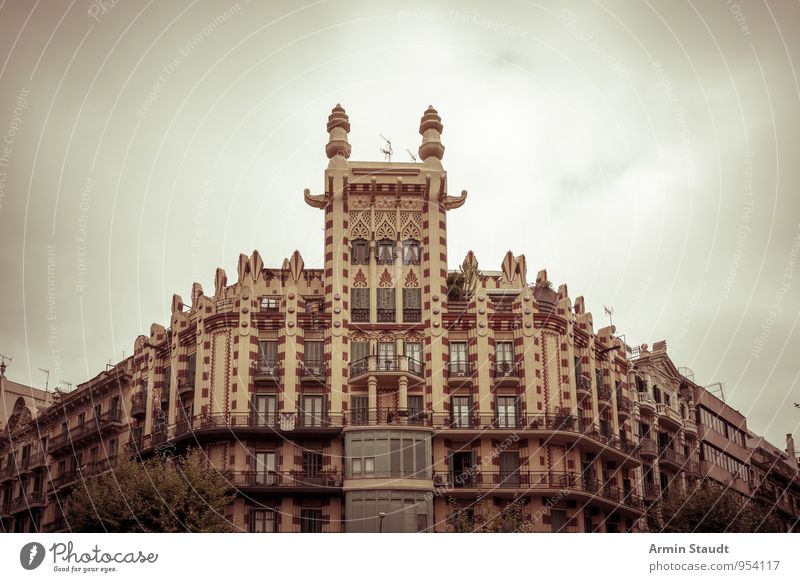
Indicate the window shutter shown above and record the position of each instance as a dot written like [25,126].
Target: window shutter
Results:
[386,298]
[360,298]
[412,298]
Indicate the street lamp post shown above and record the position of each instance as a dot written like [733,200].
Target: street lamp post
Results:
[381,515]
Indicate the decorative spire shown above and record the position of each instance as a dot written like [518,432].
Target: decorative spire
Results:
[430,127]
[338,128]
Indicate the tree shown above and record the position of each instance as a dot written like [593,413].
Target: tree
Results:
[710,508]
[161,494]
[485,517]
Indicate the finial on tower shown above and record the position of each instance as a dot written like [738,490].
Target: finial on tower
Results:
[430,127]
[338,128]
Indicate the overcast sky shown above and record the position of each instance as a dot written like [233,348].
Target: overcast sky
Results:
[644,153]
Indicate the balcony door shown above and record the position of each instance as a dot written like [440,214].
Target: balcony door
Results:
[504,357]
[506,411]
[458,358]
[509,469]
[266,468]
[387,359]
[264,409]
[414,354]
[312,413]
[461,411]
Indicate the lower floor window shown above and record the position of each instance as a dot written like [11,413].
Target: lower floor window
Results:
[263,521]
[311,521]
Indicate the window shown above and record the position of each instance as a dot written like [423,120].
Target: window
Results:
[311,414]
[267,357]
[598,378]
[412,305]
[266,468]
[360,254]
[460,406]
[411,252]
[359,406]
[265,409]
[415,409]
[506,411]
[558,520]
[270,303]
[386,305]
[313,358]
[395,453]
[167,383]
[509,469]
[414,355]
[359,352]
[359,304]
[191,368]
[263,521]
[310,520]
[385,252]
[458,359]
[312,464]
[504,357]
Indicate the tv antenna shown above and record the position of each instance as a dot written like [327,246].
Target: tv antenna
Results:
[387,149]
[46,379]
[67,384]
[610,312]
[413,157]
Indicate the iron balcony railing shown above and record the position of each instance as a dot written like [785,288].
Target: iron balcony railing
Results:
[139,403]
[412,315]
[670,456]
[386,364]
[459,369]
[506,369]
[536,480]
[584,383]
[314,369]
[287,479]
[23,502]
[359,315]
[386,315]
[267,368]
[186,385]
[624,404]
[604,394]
[89,427]
[648,446]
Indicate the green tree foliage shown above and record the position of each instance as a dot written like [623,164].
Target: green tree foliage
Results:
[710,508]
[485,517]
[161,494]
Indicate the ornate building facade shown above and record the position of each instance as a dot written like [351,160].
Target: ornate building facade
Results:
[381,392]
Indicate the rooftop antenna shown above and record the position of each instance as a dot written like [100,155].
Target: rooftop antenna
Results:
[67,384]
[387,149]
[46,379]
[717,390]
[411,154]
[610,312]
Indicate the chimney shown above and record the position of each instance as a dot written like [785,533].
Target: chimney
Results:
[790,450]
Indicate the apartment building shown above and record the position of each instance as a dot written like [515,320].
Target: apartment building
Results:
[364,395]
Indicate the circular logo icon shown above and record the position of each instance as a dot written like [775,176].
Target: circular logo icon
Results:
[31,555]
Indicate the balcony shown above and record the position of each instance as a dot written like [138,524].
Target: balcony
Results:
[604,394]
[23,503]
[93,428]
[139,404]
[624,407]
[5,509]
[412,315]
[646,403]
[459,372]
[506,372]
[185,387]
[668,416]
[359,315]
[651,492]
[267,371]
[584,387]
[8,473]
[313,371]
[555,482]
[648,448]
[35,461]
[690,426]
[386,315]
[386,366]
[670,458]
[388,416]
[692,469]
[323,482]
[65,479]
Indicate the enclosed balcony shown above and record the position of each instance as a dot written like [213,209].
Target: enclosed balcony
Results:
[139,404]
[648,449]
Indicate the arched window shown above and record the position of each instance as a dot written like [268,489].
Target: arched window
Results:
[360,252]
[411,252]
